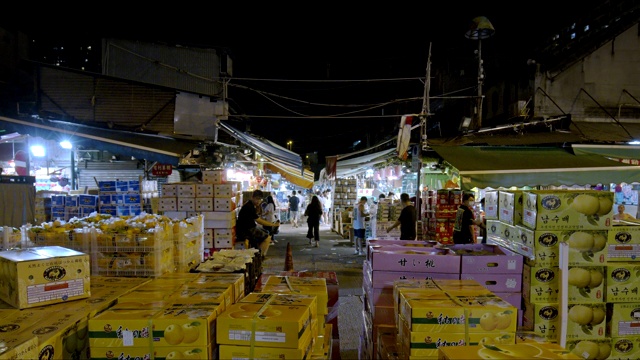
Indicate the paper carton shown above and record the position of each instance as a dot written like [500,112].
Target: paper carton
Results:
[121,328]
[567,209]
[625,319]
[44,275]
[586,321]
[264,325]
[484,259]
[622,282]
[586,284]
[185,325]
[623,243]
[625,347]
[517,351]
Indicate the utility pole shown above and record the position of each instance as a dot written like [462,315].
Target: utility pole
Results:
[424,114]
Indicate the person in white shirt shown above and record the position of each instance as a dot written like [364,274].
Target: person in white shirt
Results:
[322,201]
[326,206]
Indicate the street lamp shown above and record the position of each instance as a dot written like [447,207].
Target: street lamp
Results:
[480,28]
[289,144]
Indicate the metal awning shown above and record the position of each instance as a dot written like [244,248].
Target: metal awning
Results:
[361,164]
[610,151]
[502,166]
[154,148]
[271,151]
[292,175]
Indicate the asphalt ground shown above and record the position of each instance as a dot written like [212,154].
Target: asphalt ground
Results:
[333,254]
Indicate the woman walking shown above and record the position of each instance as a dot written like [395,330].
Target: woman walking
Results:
[313,214]
[269,214]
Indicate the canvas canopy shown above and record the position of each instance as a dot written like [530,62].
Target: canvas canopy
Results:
[494,167]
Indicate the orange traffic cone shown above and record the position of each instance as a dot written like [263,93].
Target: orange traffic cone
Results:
[288,259]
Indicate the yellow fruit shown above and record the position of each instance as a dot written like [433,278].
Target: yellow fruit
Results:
[596,278]
[524,351]
[191,332]
[606,204]
[579,277]
[587,350]
[604,350]
[581,314]
[488,321]
[581,241]
[599,242]
[586,204]
[487,340]
[173,334]
[503,321]
[71,342]
[173,355]
[598,316]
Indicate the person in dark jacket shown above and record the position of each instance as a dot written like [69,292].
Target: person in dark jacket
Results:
[313,214]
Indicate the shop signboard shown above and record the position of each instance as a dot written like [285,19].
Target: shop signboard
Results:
[161,169]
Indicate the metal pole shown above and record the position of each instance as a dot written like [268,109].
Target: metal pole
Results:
[73,170]
[478,124]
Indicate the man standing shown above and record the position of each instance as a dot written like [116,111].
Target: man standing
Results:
[294,203]
[359,215]
[407,219]
[246,228]
[463,230]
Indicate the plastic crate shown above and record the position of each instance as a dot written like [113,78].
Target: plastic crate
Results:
[11,238]
[188,253]
[75,239]
[129,254]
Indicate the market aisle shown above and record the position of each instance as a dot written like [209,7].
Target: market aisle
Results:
[334,254]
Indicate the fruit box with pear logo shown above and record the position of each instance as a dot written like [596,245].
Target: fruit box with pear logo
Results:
[191,325]
[622,282]
[586,247]
[623,243]
[625,347]
[625,319]
[567,209]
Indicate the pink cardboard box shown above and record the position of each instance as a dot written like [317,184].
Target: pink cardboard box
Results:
[428,260]
[380,243]
[497,261]
[382,279]
[497,282]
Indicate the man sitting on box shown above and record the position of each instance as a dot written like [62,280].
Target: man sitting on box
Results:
[246,227]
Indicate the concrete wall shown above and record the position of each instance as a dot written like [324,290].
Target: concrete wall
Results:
[604,74]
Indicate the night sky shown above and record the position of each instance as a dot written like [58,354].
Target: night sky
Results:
[277,51]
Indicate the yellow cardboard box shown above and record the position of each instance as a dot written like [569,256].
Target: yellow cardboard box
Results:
[489,314]
[491,338]
[121,328]
[262,352]
[436,315]
[20,346]
[185,352]
[623,243]
[567,209]
[195,295]
[426,344]
[546,320]
[264,325]
[625,347]
[44,275]
[185,325]
[544,284]
[625,319]
[304,285]
[592,349]
[215,279]
[122,352]
[284,299]
[623,281]
[517,351]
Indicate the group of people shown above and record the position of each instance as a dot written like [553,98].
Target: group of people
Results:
[262,211]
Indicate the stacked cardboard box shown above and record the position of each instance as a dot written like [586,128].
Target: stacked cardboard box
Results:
[117,198]
[582,220]
[386,262]
[442,313]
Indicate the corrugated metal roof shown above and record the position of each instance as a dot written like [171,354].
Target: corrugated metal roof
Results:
[190,69]
[97,100]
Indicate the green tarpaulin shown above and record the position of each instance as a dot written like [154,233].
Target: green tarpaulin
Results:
[498,166]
